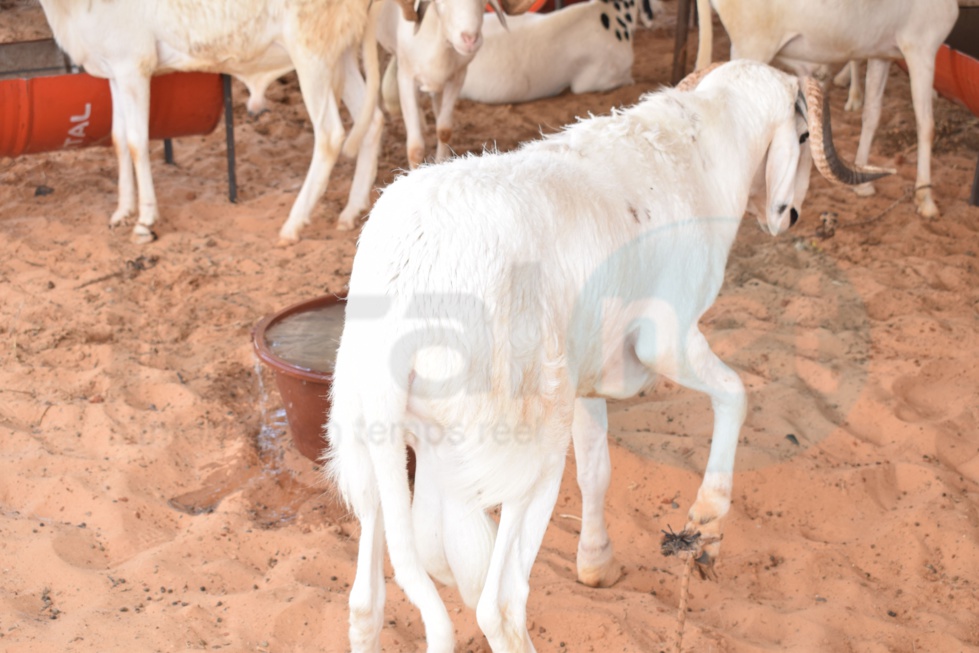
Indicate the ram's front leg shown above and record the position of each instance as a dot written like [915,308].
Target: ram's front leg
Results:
[699,368]
[444,107]
[412,116]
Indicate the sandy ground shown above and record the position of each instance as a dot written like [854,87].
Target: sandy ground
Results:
[150,500]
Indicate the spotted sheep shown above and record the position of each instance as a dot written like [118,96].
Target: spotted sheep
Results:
[541,54]
[432,50]
[255,40]
[495,301]
[802,35]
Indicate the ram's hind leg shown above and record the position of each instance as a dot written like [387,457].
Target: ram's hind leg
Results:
[130,90]
[873,102]
[921,69]
[454,540]
[367,593]
[502,608]
[589,431]
[365,171]
[316,77]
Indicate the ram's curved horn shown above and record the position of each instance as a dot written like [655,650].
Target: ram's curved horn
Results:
[824,154]
[690,82]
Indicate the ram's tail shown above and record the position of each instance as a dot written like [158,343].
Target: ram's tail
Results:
[367,462]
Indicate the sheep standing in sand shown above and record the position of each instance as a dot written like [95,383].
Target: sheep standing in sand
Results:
[255,40]
[431,53]
[496,300]
[803,35]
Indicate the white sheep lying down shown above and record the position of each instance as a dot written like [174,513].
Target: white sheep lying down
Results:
[497,300]
[585,47]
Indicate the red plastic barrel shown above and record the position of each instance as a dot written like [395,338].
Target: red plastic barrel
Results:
[957,77]
[42,114]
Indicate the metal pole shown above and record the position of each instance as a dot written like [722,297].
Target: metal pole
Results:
[974,198]
[168,150]
[229,137]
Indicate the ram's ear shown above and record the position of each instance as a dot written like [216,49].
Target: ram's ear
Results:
[781,168]
[408,11]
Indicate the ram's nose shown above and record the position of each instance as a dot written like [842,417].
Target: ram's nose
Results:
[468,42]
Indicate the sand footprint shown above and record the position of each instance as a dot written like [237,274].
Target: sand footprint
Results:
[942,389]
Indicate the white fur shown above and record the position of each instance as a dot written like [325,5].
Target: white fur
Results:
[256,40]
[802,34]
[496,300]
[539,55]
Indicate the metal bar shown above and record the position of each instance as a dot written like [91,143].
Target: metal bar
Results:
[229,137]
[974,198]
[168,150]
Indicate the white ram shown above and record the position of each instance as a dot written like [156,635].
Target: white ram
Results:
[586,47]
[494,302]
[255,40]
[803,34]
[431,52]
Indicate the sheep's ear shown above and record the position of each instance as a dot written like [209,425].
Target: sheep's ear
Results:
[516,7]
[408,11]
[780,178]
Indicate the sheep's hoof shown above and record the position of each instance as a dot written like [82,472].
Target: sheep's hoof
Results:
[141,237]
[255,114]
[853,105]
[926,206]
[285,242]
[345,225]
[598,567]
[704,564]
[119,216]
[603,576]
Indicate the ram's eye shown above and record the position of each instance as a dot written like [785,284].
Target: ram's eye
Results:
[803,138]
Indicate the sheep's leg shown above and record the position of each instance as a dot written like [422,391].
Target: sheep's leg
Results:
[589,430]
[873,101]
[502,609]
[454,540]
[445,106]
[388,458]
[365,171]
[426,518]
[412,117]
[921,70]
[850,77]
[367,593]
[469,537]
[127,181]
[698,368]
[316,81]
[131,98]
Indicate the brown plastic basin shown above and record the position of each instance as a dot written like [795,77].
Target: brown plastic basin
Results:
[304,392]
